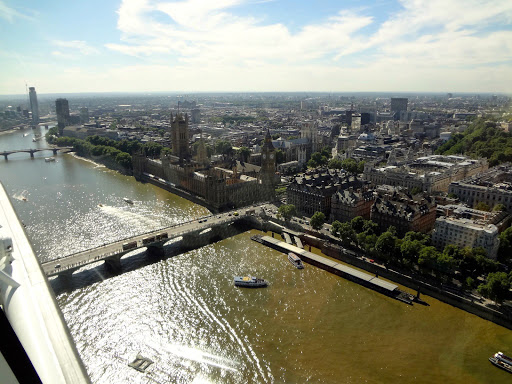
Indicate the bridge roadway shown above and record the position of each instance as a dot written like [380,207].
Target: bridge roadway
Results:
[115,250]
[34,150]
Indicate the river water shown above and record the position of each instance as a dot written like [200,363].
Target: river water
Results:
[183,312]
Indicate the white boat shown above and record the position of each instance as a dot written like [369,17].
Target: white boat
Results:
[249,282]
[295,260]
[127,200]
[502,361]
[49,159]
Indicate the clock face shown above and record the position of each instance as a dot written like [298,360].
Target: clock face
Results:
[264,156]
[271,155]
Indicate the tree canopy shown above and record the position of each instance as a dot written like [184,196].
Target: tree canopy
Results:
[496,287]
[481,139]
[287,211]
[317,220]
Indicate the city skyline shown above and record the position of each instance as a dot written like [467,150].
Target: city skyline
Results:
[256,46]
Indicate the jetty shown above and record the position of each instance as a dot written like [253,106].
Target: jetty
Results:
[332,266]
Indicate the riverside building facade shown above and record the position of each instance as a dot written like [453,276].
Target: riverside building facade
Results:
[429,173]
[220,185]
[311,191]
[466,227]
[492,188]
[349,203]
[404,212]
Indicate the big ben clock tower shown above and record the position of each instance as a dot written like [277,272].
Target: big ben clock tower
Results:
[268,167]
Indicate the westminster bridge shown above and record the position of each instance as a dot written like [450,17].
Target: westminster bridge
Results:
[193,234]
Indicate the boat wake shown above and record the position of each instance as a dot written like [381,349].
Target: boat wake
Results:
[134,219]
[199,356]
[22,196]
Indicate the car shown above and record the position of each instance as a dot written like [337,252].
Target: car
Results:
[57,266]
[371,261]
[235,214]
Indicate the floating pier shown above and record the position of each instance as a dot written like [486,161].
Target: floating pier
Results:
[362,278]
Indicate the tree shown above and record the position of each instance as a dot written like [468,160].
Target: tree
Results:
[416,190]
[428,257]
[386,245]
[349,165]
[317,220]
[326,152]
[357,224]
[335,228]
[319,158]
[370,227]
[245,153]
[360,166]
[482,206]
[124,159]
[334,164]
[287,211]
[344,231]
[223,147]
[499,208]
[280,156]
[496,287]
[410,251]
[505,249]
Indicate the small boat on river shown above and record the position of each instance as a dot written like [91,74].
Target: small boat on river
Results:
[249,282]
[127,200]
[49,159]
[295,260]
[502,361]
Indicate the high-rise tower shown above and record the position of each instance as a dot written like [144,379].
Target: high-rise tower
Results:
[34,107]
[179,136]
[268,167]
[399,104]
[62,109]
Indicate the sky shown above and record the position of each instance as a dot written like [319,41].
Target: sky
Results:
[256,46]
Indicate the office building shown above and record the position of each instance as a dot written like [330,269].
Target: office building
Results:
[492,188]
[34,106]
[432,173]
[466,227]
[84,115]
[62,110]
[398,104]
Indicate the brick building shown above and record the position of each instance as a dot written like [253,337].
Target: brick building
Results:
[349,203]
[311,192]
[404,212]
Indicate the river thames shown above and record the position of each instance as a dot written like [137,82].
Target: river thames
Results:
[183,312]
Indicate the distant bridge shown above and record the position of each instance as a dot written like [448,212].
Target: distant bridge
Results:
[34,150]
[194,234]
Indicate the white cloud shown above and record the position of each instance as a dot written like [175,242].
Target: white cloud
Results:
[74,47]
[201,31]
[194,45]
[10,14]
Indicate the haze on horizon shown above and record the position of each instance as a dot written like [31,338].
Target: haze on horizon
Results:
[256,46]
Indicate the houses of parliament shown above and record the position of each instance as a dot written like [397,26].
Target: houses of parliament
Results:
[223,184]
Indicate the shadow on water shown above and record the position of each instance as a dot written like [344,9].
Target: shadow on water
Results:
[98,272]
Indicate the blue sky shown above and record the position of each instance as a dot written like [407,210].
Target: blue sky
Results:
[256,45]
